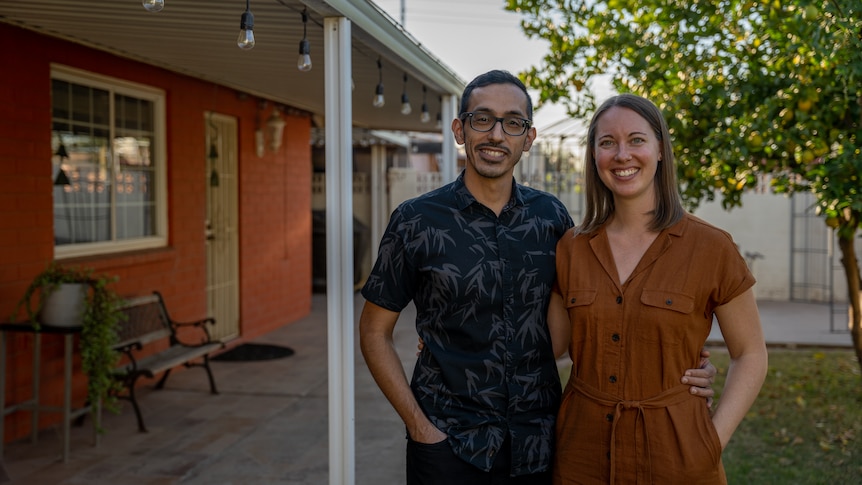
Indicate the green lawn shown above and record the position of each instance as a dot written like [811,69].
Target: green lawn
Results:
[806,425]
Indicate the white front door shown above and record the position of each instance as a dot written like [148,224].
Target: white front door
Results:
[222,225]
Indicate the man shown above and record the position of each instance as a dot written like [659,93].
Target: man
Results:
[477,257]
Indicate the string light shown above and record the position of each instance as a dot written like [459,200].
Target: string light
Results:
[406,109]
[153,5]
[245,40]
[379,100]
[425,117]
[439,123]
[304,61]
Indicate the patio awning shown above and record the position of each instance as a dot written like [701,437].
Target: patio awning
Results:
[198,39]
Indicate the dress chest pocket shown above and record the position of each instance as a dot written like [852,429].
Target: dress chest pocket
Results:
[579,306]
[666,316]
[576,298]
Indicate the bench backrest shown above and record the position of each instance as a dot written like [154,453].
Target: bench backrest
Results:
[146,321]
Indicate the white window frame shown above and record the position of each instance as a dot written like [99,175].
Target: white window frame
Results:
[157,97]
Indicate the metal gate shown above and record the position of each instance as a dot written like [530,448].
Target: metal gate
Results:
[810,252]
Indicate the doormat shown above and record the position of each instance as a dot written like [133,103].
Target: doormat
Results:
[251,352]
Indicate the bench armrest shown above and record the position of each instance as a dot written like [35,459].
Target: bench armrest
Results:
[196,323]
[202,324]
[128,349]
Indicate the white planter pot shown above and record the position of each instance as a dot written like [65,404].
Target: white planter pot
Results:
[64,307]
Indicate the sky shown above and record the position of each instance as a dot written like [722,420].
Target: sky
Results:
[472,37]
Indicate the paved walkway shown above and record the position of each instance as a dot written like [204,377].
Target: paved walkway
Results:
[269,423]
[797,324]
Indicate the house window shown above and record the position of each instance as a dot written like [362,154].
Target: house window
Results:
[108,141]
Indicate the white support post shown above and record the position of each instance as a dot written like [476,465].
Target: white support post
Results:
[450,150]
[339,250]
[379,200]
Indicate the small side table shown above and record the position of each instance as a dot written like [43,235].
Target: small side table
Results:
[33,404]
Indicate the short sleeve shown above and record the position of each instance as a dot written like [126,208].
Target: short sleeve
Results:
[391,284]
[733,275]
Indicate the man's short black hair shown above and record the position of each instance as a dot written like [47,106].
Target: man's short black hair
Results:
[494,77]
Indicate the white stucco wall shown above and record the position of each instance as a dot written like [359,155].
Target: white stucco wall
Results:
[761,225]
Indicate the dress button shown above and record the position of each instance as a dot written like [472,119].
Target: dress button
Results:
[619,299]
[573,300]
[609,417]
[615,337]
[668,302]
[613,379]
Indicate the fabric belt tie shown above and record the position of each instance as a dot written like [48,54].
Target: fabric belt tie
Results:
[664,399]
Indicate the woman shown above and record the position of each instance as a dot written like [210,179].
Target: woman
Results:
[638,283]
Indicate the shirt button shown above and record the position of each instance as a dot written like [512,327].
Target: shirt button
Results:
[609,417]
[668,302]
[573,300]
[615,337]
[613,379]
[619,299]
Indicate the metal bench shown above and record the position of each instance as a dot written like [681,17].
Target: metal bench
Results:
[147,320]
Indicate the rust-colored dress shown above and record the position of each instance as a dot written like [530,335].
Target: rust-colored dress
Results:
[625,417]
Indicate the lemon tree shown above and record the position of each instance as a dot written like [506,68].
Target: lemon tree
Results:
[750,89]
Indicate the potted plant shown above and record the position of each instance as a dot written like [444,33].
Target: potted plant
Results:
[99,316]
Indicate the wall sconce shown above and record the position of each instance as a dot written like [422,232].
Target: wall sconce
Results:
[259,139]
[275,125]
[259,142]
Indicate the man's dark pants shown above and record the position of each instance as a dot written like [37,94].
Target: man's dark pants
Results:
[436,464]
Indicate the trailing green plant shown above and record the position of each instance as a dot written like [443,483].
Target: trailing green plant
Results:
[100,319]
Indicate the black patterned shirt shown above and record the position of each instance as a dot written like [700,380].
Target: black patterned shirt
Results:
[481,285]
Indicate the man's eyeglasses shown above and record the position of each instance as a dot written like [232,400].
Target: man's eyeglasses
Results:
[484,122]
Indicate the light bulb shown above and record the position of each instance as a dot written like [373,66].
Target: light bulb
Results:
[379,100]
[406,109]
[439,123]
[425,117]
[153,5]
[245,40]
[303,63]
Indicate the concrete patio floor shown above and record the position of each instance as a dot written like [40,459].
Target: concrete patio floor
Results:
[267,425]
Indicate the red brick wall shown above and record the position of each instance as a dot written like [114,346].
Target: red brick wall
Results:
[274,206]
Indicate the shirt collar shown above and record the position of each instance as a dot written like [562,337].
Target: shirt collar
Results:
[464,198]
[678,228]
